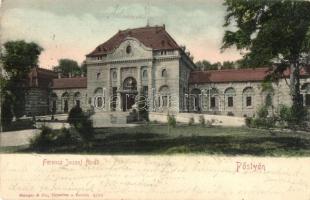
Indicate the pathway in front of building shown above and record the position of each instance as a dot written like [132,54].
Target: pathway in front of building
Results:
[17,138]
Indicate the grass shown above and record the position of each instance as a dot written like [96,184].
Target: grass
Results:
[154,139]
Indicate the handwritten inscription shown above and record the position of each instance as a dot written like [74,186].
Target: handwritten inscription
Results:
[79,177]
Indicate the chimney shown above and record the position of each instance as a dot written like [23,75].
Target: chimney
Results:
[70,75]
[164,26]
[59,75]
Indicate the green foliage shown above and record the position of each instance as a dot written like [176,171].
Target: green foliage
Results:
[81,122]
[171,121]
[271,32]
[262,112]
[206,65]
[44,140]
[228,65]
[69,67]
[18,58]
[6,112]
[191,121]
[202,120]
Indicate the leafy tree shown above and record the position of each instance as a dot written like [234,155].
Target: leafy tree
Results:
[205,65]
[81,122]
[68,67]
[271,33]
[18,58]
[228,65]
[83,68]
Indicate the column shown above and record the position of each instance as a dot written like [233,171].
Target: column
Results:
[119,86]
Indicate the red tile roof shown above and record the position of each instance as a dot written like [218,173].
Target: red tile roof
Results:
[236,75]
[153,37]
[69,83]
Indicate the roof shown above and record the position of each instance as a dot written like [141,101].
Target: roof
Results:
[236,75]
[69,83]
[156,38]
[40,77]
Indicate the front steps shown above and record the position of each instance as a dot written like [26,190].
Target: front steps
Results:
[104,119]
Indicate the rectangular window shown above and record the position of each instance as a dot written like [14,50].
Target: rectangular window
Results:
[145,91]
[248,101]
[165,101]
[230,101]
[212,102]
[307,100]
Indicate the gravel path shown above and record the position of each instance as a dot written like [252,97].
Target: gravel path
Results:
[16,138]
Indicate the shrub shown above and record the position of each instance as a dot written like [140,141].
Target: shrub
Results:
[65,137]
[262,112]
[249,121]
[171,121]
[44,140]
[191,121]
[202,120]
[81,123]
[6,112]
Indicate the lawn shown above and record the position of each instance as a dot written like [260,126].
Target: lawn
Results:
[155,139]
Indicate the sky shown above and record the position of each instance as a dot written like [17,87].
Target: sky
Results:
[73,28]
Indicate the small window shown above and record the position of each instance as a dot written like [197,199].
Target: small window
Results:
[128,49]
[164,73]
[248,101]
[145,90]
[99,102]
[307,100]
[77,102]
[165,101]
[98,75]
[144,73]
[212,102]
[114,75]
[230,101]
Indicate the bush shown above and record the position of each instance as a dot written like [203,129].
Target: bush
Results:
[81,122]
[249,121]
[65,137]
[191,121]
[202,120]
[262,112]
[172,121]
[44,140]
[6,113]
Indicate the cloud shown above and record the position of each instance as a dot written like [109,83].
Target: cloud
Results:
[72,33]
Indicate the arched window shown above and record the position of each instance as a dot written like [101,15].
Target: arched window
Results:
[164,96]
[65,103]
[130,84]
[98,75]
[164,73]
[305,91]
[144,74]
[196,99]
[114,75]
[77,98]
[128,49]
[99,101]
[248,94]
[230,93]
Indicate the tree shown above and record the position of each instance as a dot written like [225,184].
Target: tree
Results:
[228,65]
[68,67]
[84,68]
[18,58]
[271,33]
[205,65]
